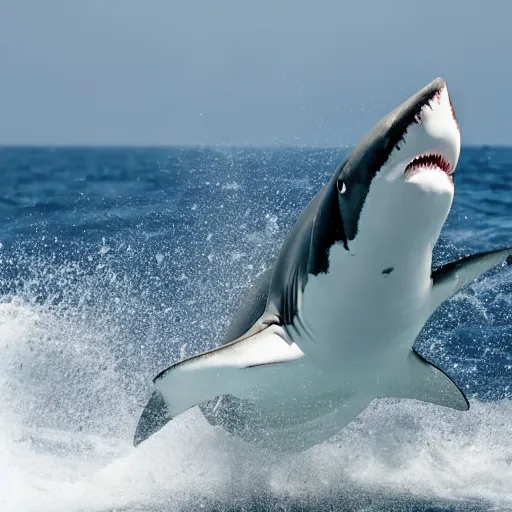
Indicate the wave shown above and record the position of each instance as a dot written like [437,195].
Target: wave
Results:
[70,408]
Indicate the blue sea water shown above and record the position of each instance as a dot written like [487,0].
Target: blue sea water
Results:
[114,263]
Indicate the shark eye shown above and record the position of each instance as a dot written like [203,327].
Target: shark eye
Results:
[340,184]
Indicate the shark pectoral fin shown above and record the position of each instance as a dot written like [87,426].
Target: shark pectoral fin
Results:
[420,380]
[220,371]
[450,278]
[154,416]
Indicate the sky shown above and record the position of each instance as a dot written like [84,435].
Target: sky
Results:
[239,72]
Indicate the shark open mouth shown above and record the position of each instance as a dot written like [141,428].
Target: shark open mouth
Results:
[433,161]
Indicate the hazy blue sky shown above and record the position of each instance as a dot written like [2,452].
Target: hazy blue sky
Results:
[245,72]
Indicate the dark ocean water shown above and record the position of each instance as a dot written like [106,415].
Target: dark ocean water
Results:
[116,262]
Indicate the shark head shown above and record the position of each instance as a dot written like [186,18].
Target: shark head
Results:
[401,174]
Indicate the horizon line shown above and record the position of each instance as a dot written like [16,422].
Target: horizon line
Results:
[212,146]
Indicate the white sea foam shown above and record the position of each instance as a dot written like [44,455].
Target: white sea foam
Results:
[73,381]
[67,418]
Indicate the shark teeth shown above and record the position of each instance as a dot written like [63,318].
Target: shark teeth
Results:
[428,161]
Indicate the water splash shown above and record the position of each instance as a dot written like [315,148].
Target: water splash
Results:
[96,300]
[69,411]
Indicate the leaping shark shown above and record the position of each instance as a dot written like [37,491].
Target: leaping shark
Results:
[331,326]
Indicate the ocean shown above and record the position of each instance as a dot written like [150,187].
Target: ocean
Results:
[116,262]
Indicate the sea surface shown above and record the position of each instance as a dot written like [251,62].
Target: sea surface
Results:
[114,263]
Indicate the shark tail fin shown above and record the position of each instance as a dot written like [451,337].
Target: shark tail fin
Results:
[232,369]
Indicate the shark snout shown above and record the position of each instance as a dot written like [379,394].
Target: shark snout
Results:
[432,141]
